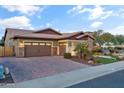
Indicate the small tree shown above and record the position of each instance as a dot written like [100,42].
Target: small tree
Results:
[82,50]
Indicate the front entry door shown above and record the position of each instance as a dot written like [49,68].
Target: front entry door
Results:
[62,50]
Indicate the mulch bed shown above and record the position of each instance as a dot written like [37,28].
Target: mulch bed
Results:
[77,59]
[7,80]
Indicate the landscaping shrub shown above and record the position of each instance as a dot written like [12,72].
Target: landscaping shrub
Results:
[67,55]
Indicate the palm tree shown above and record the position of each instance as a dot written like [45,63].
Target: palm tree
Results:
[82,50]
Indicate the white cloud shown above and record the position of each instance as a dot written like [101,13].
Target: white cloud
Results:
[85,10]
[117,30]
[24,9]
[48,25]
[96,24]
[108,13]
[79,9]
[120,13]
[120,27]
[39,17]
[75,9]
[16,22]
[98,12]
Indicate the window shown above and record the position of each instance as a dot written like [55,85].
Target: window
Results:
[55,43]
[34,43]
[42,43]
[48,44]
[27,43]
[62,43]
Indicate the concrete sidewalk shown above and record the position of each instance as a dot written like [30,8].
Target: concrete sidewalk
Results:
[70,78]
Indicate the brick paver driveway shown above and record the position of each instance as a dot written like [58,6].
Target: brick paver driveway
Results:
[23,69]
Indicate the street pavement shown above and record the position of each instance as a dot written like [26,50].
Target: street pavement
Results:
[113,80]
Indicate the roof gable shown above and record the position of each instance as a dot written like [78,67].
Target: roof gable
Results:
[10,32]
[84,36]
[48,31]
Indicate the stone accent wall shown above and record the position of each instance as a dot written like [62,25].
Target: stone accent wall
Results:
[19,51]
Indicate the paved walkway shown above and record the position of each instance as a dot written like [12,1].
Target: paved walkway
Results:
[23,69]
[71,78]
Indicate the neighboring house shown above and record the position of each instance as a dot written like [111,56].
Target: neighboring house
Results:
[45,42]
[107,44]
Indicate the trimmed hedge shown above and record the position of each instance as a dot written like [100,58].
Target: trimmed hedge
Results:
[67,55]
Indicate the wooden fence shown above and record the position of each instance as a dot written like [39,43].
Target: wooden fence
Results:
[6,51]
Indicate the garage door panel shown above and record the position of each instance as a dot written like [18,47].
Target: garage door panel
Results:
[37,50]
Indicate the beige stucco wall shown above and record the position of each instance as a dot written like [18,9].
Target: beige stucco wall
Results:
[70,49]
[19,45]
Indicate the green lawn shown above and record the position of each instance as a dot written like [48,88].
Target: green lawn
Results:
[105,60]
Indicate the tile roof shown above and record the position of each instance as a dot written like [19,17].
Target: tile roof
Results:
[21,33]
[37,35]
[12,32]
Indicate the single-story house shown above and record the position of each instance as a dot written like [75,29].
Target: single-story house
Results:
[45,42]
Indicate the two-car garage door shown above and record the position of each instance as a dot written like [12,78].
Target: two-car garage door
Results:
[37,49]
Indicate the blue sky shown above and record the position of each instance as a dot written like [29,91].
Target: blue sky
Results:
[65,18]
